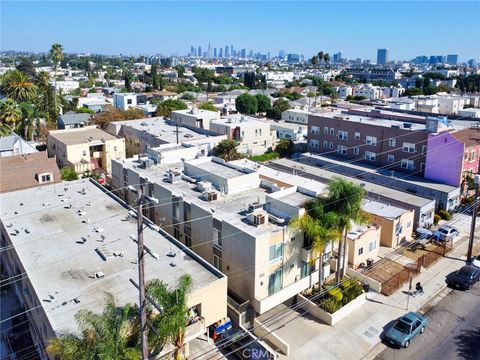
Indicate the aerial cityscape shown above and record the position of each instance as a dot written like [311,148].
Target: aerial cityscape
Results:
[239,180]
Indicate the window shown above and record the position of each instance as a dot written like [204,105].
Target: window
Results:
[341,149]
[84,152]
[370,156]
[372,245]
[314,143]
[330,145]
[357,135]
[325,130]
[256,132]
[260,132]
[306,269]
[422,166]
[392,142]
[325,144]
[356,151]
[129,101]
[217,262]
[408,147]
[315,130]
[360,251]
[176,233]
[424,149]
[343,135]
[390,159]
[472,155]
[407,164]
[114,148]
[217,238]
[371,140]
[275,282]
[275,252]
[188,241]
[332,131]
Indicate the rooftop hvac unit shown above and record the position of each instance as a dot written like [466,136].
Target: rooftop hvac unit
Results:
[259,219]
[145,163]
[204,186]
[212,196]
[254,206]
[174,176]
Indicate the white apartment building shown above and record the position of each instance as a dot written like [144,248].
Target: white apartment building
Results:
[289,131]
[296,116]
[450,104]
[124,101]
[254,136]
[369,91]
[66,86]
[195,117]
[345,91]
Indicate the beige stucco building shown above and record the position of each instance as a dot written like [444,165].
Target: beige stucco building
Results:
[363,242]
[87,149]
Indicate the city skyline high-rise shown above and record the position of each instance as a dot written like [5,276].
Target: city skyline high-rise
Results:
[382,56]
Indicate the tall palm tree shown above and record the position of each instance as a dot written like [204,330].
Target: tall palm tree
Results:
[171,323]
[10,114]
[326,57]
[17,86]
[314,60]
[319,227]
[57,56]
[108,335]
[345,200]
[320,55]
[27,125]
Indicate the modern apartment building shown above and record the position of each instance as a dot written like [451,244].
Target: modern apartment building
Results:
[379,142]
[78,242]
[253,136]
[296,116]
[195,117]
[87,149]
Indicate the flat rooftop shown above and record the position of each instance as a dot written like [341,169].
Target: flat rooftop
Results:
[322,175]
[69,226]
[235,119]
[166,130]
[81,135]
[381,209]
[352,169]
[217,169]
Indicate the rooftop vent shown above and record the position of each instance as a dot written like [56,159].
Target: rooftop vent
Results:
[254,206]
[210,195]
[173,176]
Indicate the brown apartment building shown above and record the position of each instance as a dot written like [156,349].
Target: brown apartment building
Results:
[395,144]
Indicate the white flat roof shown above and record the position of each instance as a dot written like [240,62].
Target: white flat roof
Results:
[61,268]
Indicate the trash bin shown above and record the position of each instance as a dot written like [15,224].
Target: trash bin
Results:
[369,263]
[366,287]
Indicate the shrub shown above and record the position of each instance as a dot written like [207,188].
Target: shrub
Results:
[68,174]
[265,157]
[336,294]
[444,214]
[436,219]
[330,305]
[351,292]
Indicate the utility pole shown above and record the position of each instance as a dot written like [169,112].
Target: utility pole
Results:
[141,274]
[476,180]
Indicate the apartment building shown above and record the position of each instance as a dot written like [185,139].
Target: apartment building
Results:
[363,244]
[367,90]
[195,117]
[87,149]
[68,270]
[142,135]
[296,116]
[234,219]
[289,131]
[254,136]
[397,144]
[125,101]
[344,91]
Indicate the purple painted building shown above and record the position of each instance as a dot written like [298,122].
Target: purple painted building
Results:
[444,159]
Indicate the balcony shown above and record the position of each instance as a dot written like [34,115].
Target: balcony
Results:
[195,330]
[307,254]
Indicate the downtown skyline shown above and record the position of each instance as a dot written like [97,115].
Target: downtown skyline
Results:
[171,28]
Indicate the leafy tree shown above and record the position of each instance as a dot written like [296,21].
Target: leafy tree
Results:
[112,334]
[279,106]
[253,80]
[208,106]
[284,147]
[180,71]
[171,323]
[413,91]
[56,55]
[132,114]
[17,86]
[68,174]
[27,67]
[10,114]
[128,77]
[166,107]
[188,97]
[246,104]
[264,103]
[227,150]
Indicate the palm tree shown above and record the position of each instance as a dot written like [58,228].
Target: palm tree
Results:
[57,56]
[17,86]
[320,56]
[326,57]
[314,60]
[171,323]
[345,200]
[109,335]
[10,114]
[27,126]
[319,227]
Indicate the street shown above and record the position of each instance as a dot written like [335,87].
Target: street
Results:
[453,331]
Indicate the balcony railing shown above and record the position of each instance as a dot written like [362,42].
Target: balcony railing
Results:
[195,330]
[307,254]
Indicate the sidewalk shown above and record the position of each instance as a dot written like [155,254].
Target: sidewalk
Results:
[358,335]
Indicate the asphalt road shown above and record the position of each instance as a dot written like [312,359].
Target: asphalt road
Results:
[453,331]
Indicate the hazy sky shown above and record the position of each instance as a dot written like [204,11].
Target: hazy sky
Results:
[150,27]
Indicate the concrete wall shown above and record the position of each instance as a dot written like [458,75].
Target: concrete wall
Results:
[265,333]
[374,284]
[444,152]
[212,299]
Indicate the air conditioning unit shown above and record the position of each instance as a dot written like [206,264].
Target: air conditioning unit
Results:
[145,163]
[259,219]
[212,196]
[173,176]
[204,185]
[254,206]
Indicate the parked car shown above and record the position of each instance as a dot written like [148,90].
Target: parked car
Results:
[405,329]
[476,261]
[464,278]
[422,233]
[445,232]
